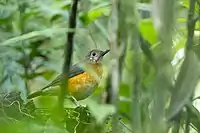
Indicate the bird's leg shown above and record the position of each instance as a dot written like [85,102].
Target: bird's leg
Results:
[73,99]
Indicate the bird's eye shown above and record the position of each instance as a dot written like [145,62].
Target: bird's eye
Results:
[94,54]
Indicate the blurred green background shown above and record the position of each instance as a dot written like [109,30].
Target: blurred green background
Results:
[157,53]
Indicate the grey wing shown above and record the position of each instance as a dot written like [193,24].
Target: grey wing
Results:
[74,70]
[55,82]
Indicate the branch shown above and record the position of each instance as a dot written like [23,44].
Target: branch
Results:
[190,24]
[115,75]
[68,53]
[146,48]
[198,2]
[191,27]
[188,76]
[196,19]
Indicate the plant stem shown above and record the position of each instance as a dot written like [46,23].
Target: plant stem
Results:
[115,76]
[188,69]
[68,53]
[163,19]
[190,24]
[187,122]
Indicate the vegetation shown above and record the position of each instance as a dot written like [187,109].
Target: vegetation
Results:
[151,82]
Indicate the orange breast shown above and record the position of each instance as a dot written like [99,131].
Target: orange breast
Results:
[82,85]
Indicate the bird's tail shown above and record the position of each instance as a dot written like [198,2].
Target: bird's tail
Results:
[43,91]
[35,94]
[49,92]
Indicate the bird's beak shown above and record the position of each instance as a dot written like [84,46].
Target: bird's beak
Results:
[105,52]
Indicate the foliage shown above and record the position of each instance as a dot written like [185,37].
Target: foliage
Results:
[159,71]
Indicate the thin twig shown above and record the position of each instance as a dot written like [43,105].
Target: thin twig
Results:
[19,108]
[187,122]
[26,66]
[90,34]
[115,43]
[196,19]
[68,53]
[177,124]
[108,92]
[164,19]
[78,122]
[198,2]
[103,32]
[27,60]
[125,126]
[146,48]
[187,65]
[190,24]
[115,77]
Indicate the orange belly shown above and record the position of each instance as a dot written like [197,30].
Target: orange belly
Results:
[81,86]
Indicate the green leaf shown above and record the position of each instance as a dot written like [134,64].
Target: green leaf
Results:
[100,111]
[147,30]
[51,8]
[124,90]
[178,42]
[194,116]
[185,3]
[6,12]
[185,84]
[46,32]
[125,100]
[95,13]
[197,26]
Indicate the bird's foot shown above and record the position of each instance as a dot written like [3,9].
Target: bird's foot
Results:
[73,99]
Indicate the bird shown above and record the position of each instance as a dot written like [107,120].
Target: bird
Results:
[83,77]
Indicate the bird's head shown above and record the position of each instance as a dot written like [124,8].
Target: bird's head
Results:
[95,56]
